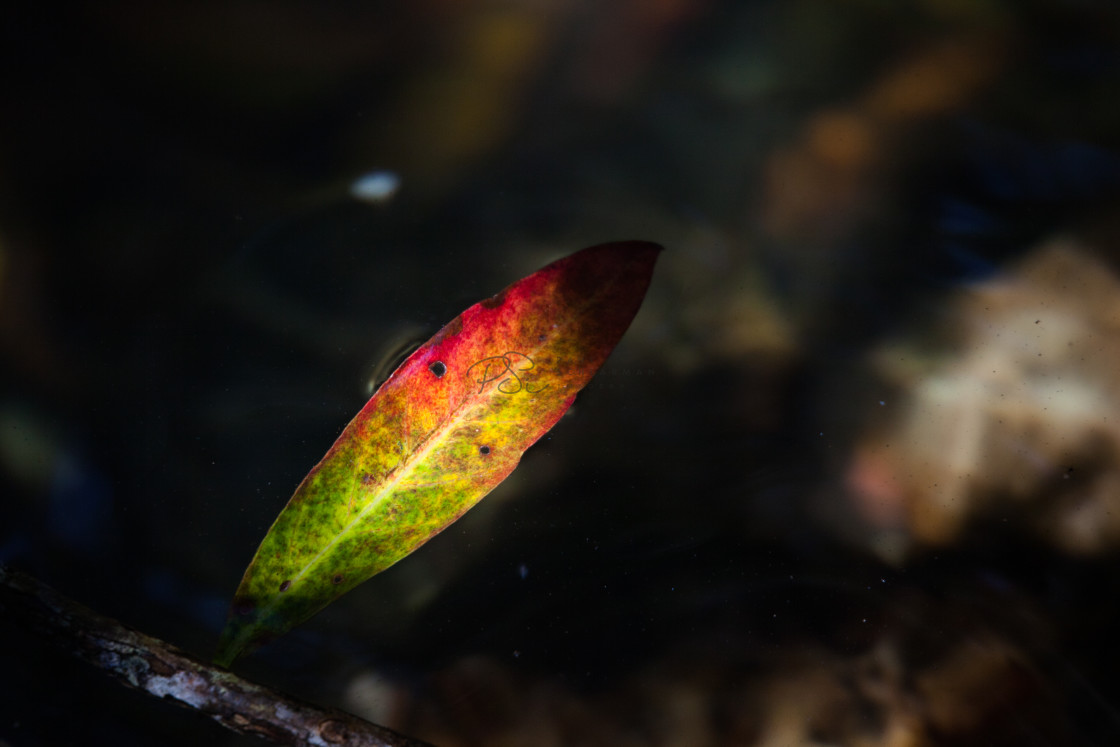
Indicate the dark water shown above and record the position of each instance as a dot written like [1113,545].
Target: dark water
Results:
[852,477]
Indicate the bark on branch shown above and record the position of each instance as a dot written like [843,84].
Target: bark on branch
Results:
[149,664]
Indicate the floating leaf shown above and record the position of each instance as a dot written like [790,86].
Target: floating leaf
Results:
[442,431]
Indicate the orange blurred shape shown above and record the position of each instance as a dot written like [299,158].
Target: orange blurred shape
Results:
[816,190]
[940,79]
[831,177]
[841,138]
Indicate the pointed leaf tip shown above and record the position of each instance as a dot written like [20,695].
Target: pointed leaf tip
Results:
[439,434]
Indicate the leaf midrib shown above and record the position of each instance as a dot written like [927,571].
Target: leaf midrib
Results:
[409,464]
[407,467]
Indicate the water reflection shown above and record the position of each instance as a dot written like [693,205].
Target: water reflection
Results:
[850,479]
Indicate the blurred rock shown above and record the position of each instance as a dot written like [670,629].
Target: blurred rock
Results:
[1015,419]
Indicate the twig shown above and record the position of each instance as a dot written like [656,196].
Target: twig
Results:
[147,663]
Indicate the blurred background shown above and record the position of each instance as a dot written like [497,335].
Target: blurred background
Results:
[851,478]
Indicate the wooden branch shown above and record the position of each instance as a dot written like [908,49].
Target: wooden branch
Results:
[147,663]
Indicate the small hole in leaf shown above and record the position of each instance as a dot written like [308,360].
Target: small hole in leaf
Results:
[337,579]
[285,585]
[438,368]
[484,450]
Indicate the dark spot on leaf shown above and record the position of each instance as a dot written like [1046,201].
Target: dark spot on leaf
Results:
[484,450]
[337,579]
[367,478]
[243,607]
[285,585]
[438,368]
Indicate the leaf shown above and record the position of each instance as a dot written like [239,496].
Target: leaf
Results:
[442,431]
